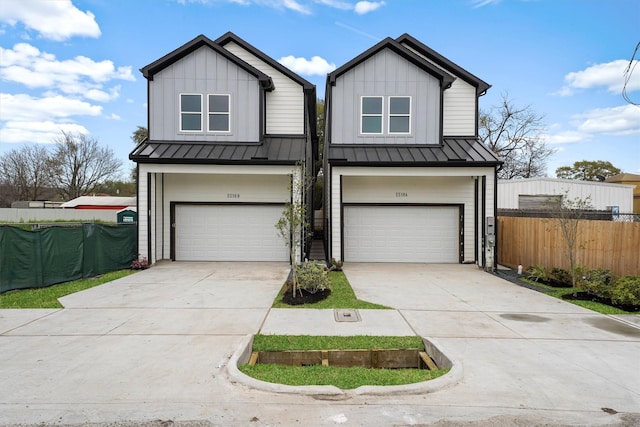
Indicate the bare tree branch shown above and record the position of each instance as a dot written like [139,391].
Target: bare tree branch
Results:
[515,135]
[81,165]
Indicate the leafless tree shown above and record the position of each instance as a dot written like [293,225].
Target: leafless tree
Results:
[25,173]
[514,134]
[81,165]
[569,213]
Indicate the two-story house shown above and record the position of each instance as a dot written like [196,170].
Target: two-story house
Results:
[406,179]
[229,128]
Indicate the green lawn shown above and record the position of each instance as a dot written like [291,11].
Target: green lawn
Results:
[342,296]
[344,378]
[48,297]
[306,342]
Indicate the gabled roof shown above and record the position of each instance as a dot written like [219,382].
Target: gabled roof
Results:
[454,151]
[150,70]
[388,43]
[307,87]
[273,150]
[443,62]
[231,37]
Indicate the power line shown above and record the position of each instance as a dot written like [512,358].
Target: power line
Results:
[627,75]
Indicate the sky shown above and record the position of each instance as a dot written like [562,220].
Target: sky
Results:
[73,65]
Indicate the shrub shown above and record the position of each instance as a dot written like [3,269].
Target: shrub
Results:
[140,263]
[626,290]
[598,282]
[561,276]
[312,277]
[538,273]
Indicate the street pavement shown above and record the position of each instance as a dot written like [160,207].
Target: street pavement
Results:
[155,348]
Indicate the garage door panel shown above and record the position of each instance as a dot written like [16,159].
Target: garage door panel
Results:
[228,233]
[401,234]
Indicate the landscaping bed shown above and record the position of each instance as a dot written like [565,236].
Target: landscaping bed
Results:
[344,362]
[598,290]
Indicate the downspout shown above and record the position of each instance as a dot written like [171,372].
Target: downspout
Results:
[149,254]
[495,214]
[475,219]
[484,219]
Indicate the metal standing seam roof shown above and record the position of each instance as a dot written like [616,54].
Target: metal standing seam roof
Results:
[272,150]
[469,151]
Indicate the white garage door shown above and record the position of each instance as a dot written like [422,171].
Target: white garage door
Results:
[401,234]
[228,233]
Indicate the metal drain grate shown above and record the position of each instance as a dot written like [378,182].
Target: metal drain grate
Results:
[346,315]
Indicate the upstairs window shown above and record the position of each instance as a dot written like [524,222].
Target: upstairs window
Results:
[219,113]
[371,117]
[190,112]
[399,114]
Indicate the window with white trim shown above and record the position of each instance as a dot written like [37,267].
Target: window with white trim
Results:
[219,111]
[399,114]
[190,112]
[371,115]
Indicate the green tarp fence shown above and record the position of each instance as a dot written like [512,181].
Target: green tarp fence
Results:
[46,256]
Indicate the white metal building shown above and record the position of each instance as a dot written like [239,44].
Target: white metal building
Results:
[602,195]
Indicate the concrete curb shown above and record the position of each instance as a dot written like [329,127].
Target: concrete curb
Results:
[243,353]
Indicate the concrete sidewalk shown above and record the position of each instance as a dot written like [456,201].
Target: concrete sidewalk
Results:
[155,345]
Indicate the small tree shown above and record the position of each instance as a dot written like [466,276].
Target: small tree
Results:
[293,225]
[568,216]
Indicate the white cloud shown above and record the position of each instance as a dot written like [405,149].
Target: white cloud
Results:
[294,5]
[623,120]
[27,65]
[481,3]
[314,66]
[363,7]
[618,121]
[337,4]
[55,20]
[22,107]
[609,75]
[566,137]
[37,132]
[29,119]
[301,6]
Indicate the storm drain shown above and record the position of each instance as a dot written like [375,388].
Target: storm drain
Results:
[346,315]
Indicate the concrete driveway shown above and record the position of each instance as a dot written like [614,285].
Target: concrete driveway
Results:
[154,346]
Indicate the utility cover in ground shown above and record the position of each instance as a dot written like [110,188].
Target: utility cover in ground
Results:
[346,315]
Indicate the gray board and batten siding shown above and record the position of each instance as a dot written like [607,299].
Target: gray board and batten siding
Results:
[388,74]
[205,72]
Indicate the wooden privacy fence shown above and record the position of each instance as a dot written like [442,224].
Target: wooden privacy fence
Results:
[600,244]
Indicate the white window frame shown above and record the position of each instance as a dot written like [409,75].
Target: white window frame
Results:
[363,115]
[227,113]
[390,115]
[190,112]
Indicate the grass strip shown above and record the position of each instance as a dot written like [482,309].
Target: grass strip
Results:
[304,342]
[48,297]
[344,378]
[342,296]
